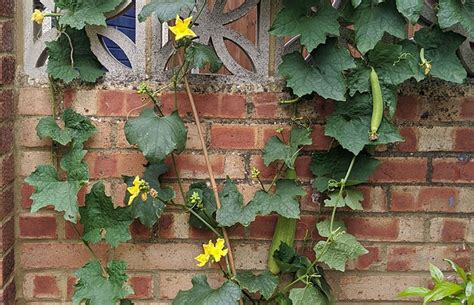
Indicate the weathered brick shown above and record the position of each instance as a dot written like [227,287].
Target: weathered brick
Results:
[373,228]
[263,227]
[142,286]
[7,109]
[7,69]
[408,108]
[7,170]
[464,139]
[34,101]
[443,229]
[411,141]
[7,235]
[467,108]
[29,160]
[41,286]
[233,136]
[7,8]
[6,36]
[401,170]
[41,226]
[27,136]
[453,170]
[170,283]
[435,139]
[111,103]
[82,101]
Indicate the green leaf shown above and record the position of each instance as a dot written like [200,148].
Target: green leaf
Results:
[322,75]
[49,190]
[165,9]
[411,9]
[149,211]
[102,221]
[294,20]
[333,165]
[414,292]
[337,252]
[202,294]
[442,290]
[95,289]
[458,269]
[288,260]
[275,149]
[126,302]
[372,21]
[264,283]
[233,210]
[351,198]
[283,202]
[349,124]
[84,66]
[200,55]
[76,127]
[87,12]
[73,163]
[206,209]
[307,295]
[156,137]
[440,48]
[436,274]
[453,12]
[324,229]
[358,78]
[356,3]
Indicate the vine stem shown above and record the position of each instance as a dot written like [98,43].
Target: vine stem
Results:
[102,268]
[331,225]
[210,171]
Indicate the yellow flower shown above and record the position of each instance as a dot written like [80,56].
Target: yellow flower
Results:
[181,28]
[255,173]
[212,253]
[38,16]
[135,189]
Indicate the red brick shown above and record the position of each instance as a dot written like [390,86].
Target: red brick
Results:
[320,141]
[408,108]
[373,228]
[431,199]
[26,192]
[111,103]
[467,108]
[37,226]
[139,231]
[208,105]
[444,229]
[107,165]
[464,139]
[6,36]
[306,228]
[374,199]
[26,136]
[71,281]
[7,266]
[266,105]
[263,227]
[6,202]
[70,232]
[135,103]
[166,226]
[34,101]
[7,170]
[302,168]
[7,8]
[7,231]
[417,258]
[453,170]
[7,109]
[368,260]
[7,70]
[41,286]
[233,137]
[400,170]
[142,286]
[269,131]
[323,107]
[410,143]
[8,293]
[103,137]
[195,233]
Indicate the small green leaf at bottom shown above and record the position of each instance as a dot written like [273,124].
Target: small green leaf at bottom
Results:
[264,283]
[306,296]
[202,294]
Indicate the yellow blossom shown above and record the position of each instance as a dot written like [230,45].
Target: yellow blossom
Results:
[38,16]
[212,253]
[181,28]
[255,173]
[135,189]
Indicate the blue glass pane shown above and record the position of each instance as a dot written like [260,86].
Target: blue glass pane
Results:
[126,24]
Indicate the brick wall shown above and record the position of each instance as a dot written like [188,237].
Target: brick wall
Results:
[419,205]
[7,166]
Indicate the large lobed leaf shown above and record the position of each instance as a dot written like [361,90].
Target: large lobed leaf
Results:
[307,295]
[200,55]
[457,12]
[149,211]
[165,9]
[275,149]
[411,9]
[50,190]
[294,19]
[78,14]
[84,64]
[322,75]
[155,136]
[102,221]
[95,289]
[202,294]
[264,283]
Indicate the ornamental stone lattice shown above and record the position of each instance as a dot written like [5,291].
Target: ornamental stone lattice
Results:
[149,53]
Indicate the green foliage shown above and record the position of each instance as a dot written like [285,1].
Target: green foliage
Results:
[307,295]
[155,136]
[49,188]
[275,149]
[350,198]
[102,220]
[70,57]
[333,165]
[201,55]
[78,14]
[456,12]
[282,201]
[339,250]
[96,289]
[165,9]
[440,48]
[447,290]
[202,294]
[148,209]
[350,122]
[289,261]
[322,75]
[205,209]
[296,19]
[264,283]
[411,9]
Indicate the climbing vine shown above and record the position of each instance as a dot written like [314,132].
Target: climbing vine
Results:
[355,53]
